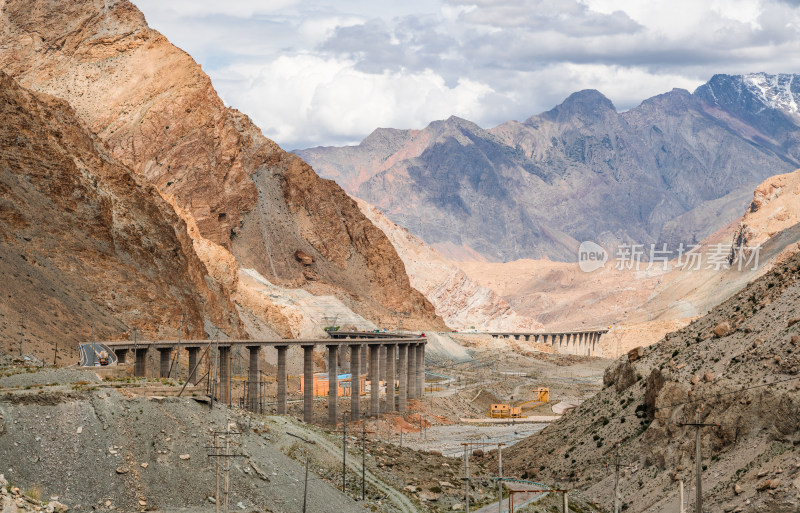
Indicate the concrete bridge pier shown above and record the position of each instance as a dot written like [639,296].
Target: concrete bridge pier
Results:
[253,388]
[308,383]
[382,363]
[281,379]
[391,361]
[402,360]
[121,355]
[355,382]
[333,384]
[412,371]
[421,370]
[164,354]
[364,359]
[193,351]
[374,382]
[140,364]
[225,374]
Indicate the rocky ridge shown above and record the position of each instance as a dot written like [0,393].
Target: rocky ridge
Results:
[159,114]
[86,242]
[775,207]
[737,367]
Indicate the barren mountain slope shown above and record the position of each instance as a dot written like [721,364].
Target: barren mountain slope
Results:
[160,115]
[739,367]
[462,303]
[643,305]
[85,242]
[89,446]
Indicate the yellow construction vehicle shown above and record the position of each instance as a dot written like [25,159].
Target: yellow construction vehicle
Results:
[541,394]
[506,411]
[499,411]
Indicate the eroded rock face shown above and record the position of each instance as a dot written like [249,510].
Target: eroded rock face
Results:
[774,208]
[84,241]
[160,115]
[621,375]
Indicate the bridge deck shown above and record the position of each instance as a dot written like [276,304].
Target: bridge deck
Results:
[130,344]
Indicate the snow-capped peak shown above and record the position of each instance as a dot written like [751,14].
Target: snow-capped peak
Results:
[775,91]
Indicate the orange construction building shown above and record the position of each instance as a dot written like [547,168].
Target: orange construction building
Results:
[320,385]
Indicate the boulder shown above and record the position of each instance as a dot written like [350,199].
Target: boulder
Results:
[635,353]
[59,507]
[622,375]
[769,484]
[722,329]
[428,496]
[303,257]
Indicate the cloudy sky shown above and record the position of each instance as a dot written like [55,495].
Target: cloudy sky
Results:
[317,72]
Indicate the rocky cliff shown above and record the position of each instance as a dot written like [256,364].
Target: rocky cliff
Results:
[459,300]
[85,242]
[674,169]
[736,369]
[159,114]
[775,208]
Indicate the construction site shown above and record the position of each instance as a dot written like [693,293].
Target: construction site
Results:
[440,453]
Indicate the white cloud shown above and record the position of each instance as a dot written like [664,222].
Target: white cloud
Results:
[199,8]
[300,99]
[323,72]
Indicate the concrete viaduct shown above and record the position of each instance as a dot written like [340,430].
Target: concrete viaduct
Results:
[392,358]
[582,342]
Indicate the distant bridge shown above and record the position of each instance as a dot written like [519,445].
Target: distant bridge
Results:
[580,342]
[392,358]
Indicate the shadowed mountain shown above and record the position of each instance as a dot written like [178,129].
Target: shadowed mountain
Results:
[581,171]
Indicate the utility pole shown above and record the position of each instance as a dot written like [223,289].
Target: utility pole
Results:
[22,332]
[616,482]
[699,461]
[226,456]
[305,487]
[680,488]
[344,451]
[364,457]
[466,475]
[500,478]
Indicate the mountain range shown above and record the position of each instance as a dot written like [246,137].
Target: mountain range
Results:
[674,169]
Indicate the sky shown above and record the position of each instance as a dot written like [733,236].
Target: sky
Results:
[320,73]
